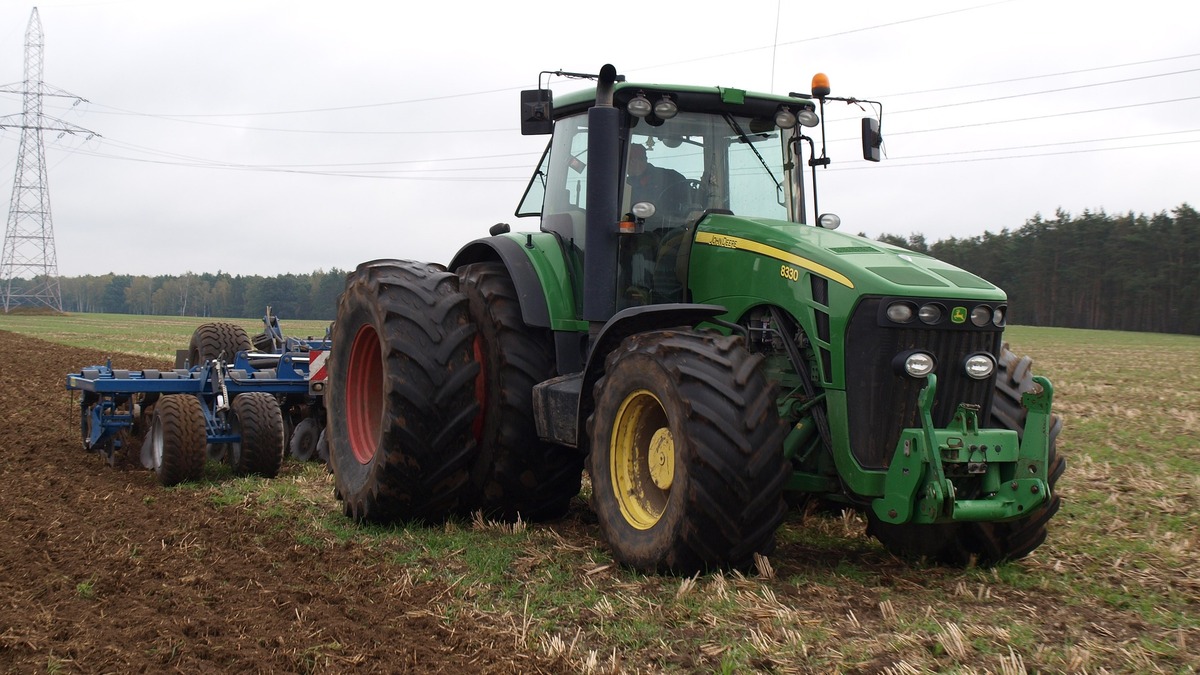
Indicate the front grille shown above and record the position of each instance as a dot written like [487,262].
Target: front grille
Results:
[882,403]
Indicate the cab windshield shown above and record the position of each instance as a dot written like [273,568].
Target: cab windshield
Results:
[675,172]
[695,162]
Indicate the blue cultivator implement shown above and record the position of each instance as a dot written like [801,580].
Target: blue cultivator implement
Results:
[244,410]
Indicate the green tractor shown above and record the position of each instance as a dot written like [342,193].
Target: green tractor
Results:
[680,330]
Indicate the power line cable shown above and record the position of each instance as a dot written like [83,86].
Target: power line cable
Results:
[1040,117]
[1043,145]
[831,35]
[1036,77]
[1007,157]
[1044,91]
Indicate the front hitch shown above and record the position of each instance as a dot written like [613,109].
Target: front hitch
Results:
[1001,476]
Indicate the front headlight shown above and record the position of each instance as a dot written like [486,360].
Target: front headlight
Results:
[979,366]
[900,312]
[931,313]
[981,315]
[998,316]
[916,364]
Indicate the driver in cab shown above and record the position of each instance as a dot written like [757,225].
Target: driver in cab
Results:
[650,183]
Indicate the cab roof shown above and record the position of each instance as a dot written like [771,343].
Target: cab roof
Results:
[688,98]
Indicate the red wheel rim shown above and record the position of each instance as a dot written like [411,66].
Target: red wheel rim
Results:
[364,394]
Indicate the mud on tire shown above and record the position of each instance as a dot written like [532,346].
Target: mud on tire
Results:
[986,544]
[176,440]
[401,398]
[256,418]
[515,472]
[210,340]
[686,455]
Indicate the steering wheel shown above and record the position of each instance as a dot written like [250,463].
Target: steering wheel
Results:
[687,190]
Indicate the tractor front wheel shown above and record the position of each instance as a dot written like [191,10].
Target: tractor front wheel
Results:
[686,455]
[401,399]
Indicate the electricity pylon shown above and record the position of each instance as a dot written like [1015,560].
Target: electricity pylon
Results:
[29,267]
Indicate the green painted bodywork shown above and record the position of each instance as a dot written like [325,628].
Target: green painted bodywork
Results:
[548,260]
[722,273]
[744,263]
[725,273]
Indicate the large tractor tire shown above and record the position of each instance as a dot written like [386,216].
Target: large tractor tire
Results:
[986,544]
[211,340]
[175,444]
[256,418]
[515,473]
[401,398]
[686,455]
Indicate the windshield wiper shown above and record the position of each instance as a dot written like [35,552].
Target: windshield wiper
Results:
[737,128]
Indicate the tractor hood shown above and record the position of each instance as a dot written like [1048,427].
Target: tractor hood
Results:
[867,267]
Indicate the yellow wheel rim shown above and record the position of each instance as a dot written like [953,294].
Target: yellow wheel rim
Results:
[642,459]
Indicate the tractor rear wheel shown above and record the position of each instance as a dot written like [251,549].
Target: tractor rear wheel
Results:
[686,456]
[986,544]
[176,440]
[211,340]
[401,398]
[256,418]
[515,473]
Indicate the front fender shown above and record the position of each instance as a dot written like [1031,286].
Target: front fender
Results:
[629,322]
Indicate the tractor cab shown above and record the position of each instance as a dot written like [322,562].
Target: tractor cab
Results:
[681,154]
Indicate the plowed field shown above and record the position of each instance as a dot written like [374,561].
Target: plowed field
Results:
[104,571]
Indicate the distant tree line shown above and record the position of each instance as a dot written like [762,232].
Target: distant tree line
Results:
[1127,272]
[291,296]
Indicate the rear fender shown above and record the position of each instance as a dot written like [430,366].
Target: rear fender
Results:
[534,309]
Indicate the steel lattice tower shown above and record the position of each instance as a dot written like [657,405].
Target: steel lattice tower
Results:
[29,267]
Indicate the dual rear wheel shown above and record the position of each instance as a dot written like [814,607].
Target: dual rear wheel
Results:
[431,415]
[430,403]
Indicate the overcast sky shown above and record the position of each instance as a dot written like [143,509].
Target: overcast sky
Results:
[272,136]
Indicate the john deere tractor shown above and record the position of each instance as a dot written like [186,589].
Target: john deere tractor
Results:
[697,344]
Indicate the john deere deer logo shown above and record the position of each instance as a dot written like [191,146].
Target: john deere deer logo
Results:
[958,315]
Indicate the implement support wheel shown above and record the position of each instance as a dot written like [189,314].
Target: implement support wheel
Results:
[176,441]
[686,456]
[256,418]
[211,340]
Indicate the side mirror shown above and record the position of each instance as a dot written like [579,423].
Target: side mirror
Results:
[872,140]
[537,112]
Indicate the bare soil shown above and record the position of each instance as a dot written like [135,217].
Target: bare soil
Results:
[103,570]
